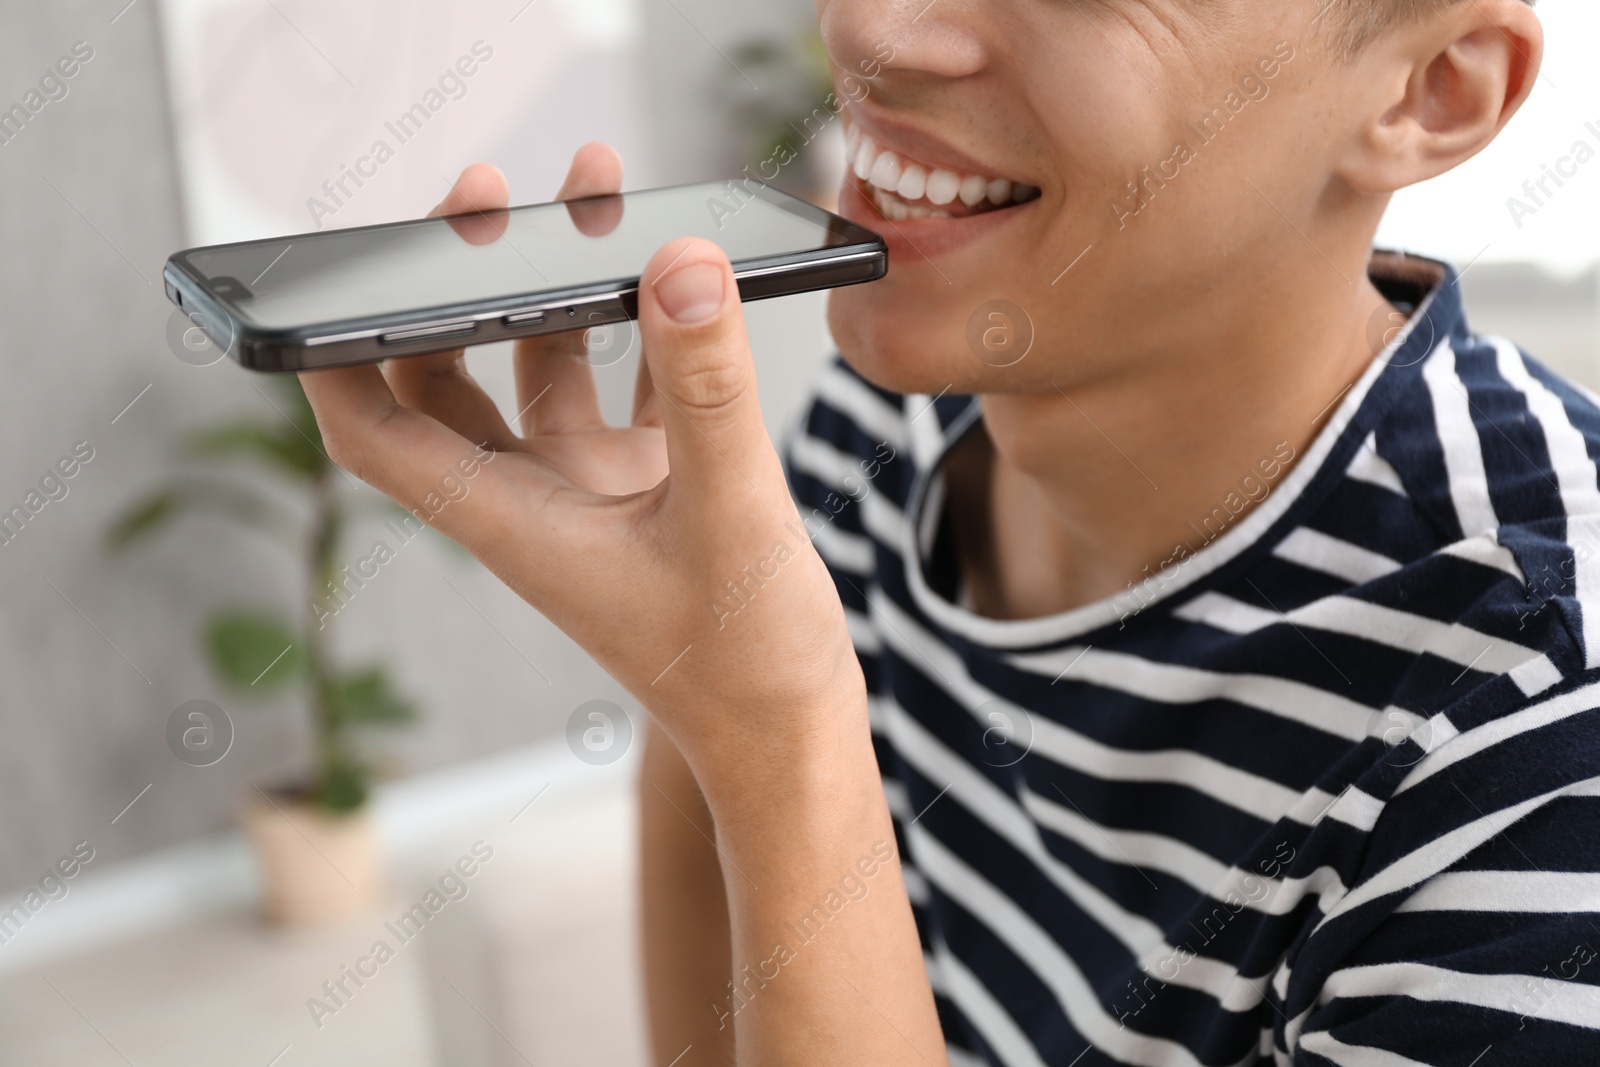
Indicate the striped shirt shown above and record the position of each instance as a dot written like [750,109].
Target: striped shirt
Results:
[1325,791]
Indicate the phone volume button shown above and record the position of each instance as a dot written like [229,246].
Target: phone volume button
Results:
[422,333]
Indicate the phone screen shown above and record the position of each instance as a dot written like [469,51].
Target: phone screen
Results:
[338,275]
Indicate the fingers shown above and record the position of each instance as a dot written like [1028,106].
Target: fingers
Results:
[694,339]
[555,385]
[479,197]
[646,405]
[596,169]
[410,457]
[438,384]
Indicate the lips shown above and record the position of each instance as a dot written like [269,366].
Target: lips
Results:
[902,187]
[886,160]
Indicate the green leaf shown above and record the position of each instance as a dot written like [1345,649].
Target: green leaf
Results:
[342,786]
[300,413]
[302,420]
[252,652]
[758,53]
[282,446]
[366,698]
[150,513]
[142,519]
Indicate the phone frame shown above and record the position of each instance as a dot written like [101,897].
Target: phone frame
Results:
[863,257]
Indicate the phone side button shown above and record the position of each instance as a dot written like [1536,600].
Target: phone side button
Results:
[425,333]
[525,318]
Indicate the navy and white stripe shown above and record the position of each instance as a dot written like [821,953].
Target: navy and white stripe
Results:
[1330,795]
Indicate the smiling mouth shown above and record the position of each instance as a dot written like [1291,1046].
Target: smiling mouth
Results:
[904,188]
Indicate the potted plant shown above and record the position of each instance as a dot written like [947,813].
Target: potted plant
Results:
[314,837]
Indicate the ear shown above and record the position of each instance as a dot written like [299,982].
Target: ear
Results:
[1442,88]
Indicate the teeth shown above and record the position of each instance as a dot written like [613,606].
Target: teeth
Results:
[885,173]
[906,190]
[865,154]
[942,187]
[913,182]
[898,210]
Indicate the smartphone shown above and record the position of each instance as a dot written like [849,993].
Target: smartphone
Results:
[337,297]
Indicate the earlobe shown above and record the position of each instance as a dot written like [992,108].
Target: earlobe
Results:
[1466,72]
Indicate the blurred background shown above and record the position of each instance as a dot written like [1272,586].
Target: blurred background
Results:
[153,692]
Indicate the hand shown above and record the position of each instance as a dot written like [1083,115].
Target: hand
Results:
[670,549]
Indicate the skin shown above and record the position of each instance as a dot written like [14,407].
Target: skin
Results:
[1147,371]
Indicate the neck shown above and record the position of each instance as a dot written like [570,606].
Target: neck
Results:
[1098,485]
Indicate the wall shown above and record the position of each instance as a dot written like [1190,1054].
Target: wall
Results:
[92,653]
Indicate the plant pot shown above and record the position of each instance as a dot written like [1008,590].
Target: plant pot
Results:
[317,866]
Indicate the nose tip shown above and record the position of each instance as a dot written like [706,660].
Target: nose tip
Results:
[876,39]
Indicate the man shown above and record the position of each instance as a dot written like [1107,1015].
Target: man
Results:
[1195,608]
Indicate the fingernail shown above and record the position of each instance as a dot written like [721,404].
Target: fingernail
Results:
[691,293]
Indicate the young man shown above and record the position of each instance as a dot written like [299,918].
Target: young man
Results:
[1215,611]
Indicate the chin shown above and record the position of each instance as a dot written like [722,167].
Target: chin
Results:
[919,328]
[906,332]
[895,336]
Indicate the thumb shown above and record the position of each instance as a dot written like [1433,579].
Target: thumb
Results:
[699,359]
